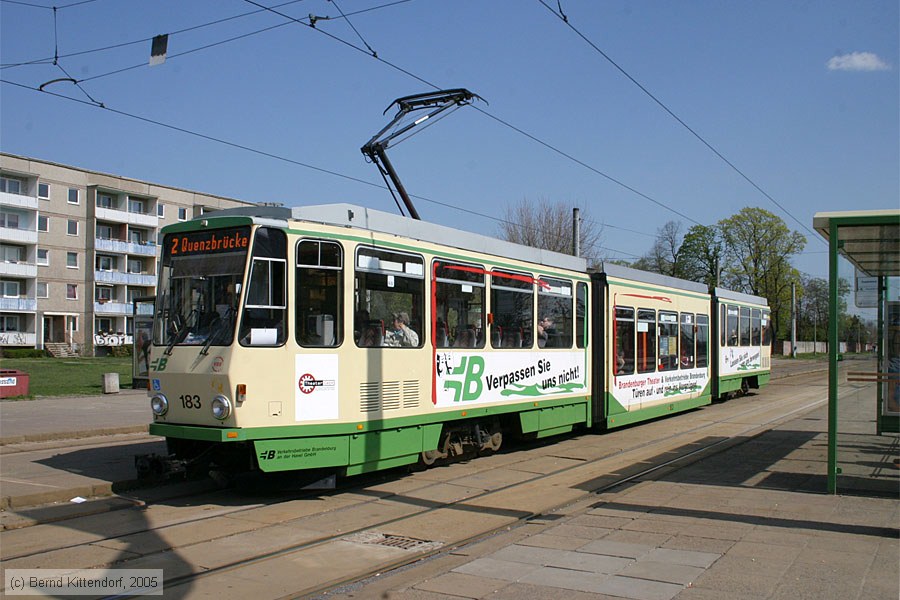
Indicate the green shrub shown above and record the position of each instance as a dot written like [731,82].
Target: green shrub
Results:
[22,353]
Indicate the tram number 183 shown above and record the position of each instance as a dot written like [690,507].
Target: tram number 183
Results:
[190,401]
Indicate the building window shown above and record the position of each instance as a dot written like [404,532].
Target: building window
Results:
[74,196]
[136,206]
[9,323]
[182,214]
[104,325]
[9,289]
[10,220]
[135,266]
[72,227]
[11,254]
[43,223]
[10,185]
[71,291]
[106,263]
[105,201]
[104,232]
[43,257]
[72,260]
[104,293]
[161,210]
[43,289]
[44,191]
[135,236]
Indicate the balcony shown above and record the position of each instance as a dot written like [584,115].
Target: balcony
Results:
[112,308]
[21,236]
[18,201]
[18,304]
[121,216]
[118,278]
[18,269]
[17,338]
[123,247]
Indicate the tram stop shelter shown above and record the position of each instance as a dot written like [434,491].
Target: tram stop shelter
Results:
[864,393]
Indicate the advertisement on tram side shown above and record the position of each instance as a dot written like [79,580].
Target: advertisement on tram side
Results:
[632,391]
[471,377]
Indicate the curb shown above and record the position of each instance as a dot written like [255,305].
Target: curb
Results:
[72,435]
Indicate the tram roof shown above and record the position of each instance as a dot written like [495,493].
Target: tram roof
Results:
[351,215]
[615,270]
[726,294]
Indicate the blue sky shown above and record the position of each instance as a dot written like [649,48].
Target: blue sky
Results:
[802,97]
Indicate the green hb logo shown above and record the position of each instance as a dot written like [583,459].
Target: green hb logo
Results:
[469,388]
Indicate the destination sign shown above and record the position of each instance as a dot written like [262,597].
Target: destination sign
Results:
[208,242]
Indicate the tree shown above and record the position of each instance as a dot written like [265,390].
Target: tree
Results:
[663,256]
[548,225]
[701,255]
[759,247]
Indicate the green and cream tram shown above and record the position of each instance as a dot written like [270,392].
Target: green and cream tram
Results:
[341,338]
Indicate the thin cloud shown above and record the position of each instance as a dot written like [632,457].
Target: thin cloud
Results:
[857,61]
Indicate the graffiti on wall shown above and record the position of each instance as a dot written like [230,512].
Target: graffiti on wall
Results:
[112,339]
[13,338]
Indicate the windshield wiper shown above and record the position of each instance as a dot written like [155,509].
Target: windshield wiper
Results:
[216,328]
[180,333]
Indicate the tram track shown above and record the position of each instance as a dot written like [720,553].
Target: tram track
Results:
[720,425]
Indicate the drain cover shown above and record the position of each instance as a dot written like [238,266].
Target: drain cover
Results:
[393,541]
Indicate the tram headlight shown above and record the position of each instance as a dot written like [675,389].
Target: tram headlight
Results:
[221,407]
[159,404]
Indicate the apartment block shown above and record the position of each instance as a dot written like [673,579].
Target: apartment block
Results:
[77,247]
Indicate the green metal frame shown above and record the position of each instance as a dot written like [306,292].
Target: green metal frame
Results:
[835,222]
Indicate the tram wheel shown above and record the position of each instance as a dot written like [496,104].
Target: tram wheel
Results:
[429,457]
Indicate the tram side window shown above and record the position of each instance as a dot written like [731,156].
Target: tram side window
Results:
[512,307]
[702,341]
[319,292]
[723,326]
[766,325]
[555,304]
[646,341]
[389,298]
[668,341]
[624,334]
[264,322]
[731,325]
[581,324]
[459,300]
[745,326]
[687,341]
[755,334]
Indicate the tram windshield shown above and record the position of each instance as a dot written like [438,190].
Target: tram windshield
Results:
[200,287]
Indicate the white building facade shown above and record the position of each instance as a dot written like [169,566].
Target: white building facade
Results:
[77,247]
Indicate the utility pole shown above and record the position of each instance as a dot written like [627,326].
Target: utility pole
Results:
[794,320]
[576,232]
